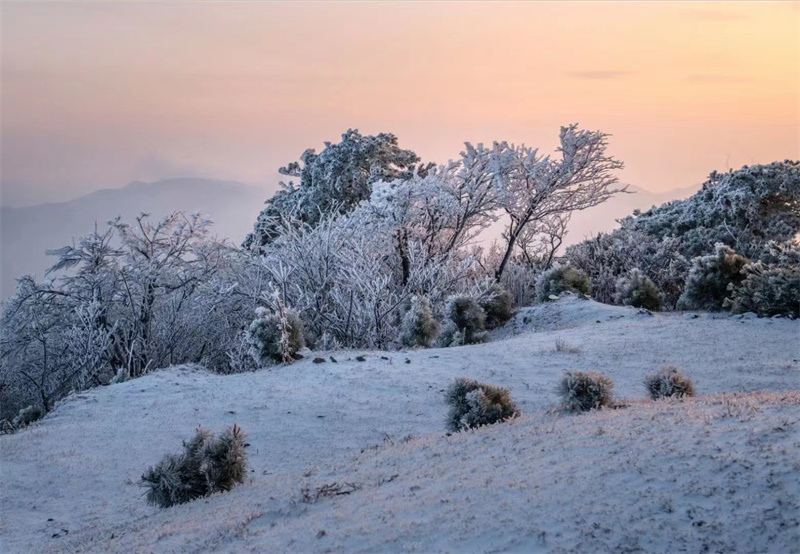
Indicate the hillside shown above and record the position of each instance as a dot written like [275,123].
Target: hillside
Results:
[27,233]
[716,473]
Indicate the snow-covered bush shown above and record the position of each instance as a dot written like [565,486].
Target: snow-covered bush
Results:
[638,290]
[583,391]
[419,326]
[275,337]
[473,404]
[772,285]
[497,304]
[744,209]
[668,381]
[26,416]
[468,317]
[711,278]
[207,465]
[559,279]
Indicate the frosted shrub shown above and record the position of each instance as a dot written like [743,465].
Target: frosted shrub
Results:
[497,304]
[468,317]
[582,391]
[638,290]
[771,288]
[274,339]
[560,279]
[26,416]
[419,326]
[206,465]
[710,278]
[668,382]
[473,404]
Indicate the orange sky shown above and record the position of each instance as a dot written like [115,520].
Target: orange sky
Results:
[98,94]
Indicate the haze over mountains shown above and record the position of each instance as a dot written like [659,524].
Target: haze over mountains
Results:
[26,233]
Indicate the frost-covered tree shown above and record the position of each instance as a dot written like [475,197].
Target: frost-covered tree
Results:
[711,278]
[126,300]
[535,189]
[334,181]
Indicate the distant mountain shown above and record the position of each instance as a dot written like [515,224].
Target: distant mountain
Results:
[26,233]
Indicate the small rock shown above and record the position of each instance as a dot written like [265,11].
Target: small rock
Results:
[318,360]
[361,358]
[408,361]
[690,316]
[321,533]
[334,360]
[384,357]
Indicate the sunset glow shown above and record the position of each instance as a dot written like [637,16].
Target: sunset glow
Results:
[96,95]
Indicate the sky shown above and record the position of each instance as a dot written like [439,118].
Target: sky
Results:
[95,95]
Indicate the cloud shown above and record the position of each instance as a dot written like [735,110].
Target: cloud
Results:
[600,75]
[711,78]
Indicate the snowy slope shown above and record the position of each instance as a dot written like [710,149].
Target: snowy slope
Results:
[718,473]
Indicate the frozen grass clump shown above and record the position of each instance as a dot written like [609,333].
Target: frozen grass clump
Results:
[667,382]
[26,416]
[497,304]
[419,327]
[474,404]
[273,338]
[468,322]
[582,391]
[207,465]
[561,279]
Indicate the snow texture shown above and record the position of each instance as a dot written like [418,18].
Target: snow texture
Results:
[715,473]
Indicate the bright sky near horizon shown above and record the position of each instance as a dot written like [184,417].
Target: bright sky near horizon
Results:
[95,95]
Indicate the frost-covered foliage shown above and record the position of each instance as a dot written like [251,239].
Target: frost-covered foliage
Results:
[134,297]
[745,210]
[559,279]
[468,318]
[332,182]
[537,192]
[419,327]
[638,290]
[583,391]
[473,404]
[497,304]
[610,256]
[711,278]
[275,337]
[668,381]
[207,465]
[26,416]
[771,286]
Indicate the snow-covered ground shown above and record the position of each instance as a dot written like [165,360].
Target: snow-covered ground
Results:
[718,473]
